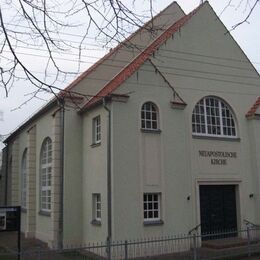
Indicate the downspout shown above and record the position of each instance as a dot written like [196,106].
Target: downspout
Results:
[62,124]
[109,190]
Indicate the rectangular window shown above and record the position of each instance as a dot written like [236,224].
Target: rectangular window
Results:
[96,130]
[151,203]
[97,207]
[46,189]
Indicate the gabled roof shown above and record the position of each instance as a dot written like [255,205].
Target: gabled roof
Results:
[133,66]
[162,20]
[254,110]
[172,12]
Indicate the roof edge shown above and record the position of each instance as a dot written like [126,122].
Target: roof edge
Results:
[52,103]
[120,45]
[127,71]
[252,111]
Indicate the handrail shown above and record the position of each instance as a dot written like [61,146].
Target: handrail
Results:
[247,222]
[195,228]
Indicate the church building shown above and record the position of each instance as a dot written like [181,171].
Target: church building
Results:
[160,135]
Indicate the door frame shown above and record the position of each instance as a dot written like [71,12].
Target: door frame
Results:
[236,183]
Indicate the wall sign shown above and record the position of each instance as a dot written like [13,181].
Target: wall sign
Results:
[9,218]
[218,157]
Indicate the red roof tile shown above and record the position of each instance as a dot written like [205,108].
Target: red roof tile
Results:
[108,55]
[139,60]
[253,109]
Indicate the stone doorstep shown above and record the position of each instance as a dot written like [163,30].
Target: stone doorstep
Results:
[226,243]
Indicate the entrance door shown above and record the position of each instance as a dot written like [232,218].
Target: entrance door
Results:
[218,209]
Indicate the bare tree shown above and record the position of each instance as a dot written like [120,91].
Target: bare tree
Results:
[249,7]
[47,25]
[51,26]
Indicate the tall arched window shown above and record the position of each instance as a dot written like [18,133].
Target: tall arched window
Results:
[213,117]
[23,179]
[149,116]
[45,175]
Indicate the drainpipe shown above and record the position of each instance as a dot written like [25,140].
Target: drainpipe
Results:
[62,124]
[109,195]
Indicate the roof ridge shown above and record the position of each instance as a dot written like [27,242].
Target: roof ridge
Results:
[118,47]
[131,67]
[64,92]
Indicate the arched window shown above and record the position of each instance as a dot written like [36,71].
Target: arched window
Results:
[213,117]
[23,179]
[45,175]
[149,116]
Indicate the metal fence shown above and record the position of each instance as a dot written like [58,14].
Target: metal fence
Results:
[219,245]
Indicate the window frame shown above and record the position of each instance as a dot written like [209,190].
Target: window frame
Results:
[217,115]
[96,130]
[97,210]
[46,169]
[145,121]
[146,209]
[24,172]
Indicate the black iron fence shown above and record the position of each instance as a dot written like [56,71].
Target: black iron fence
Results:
[220,245]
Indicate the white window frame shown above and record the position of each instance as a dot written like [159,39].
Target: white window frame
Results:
[97,129]
[97,206]
[218,118]
[149,116]
[151,207]
[24,179]
[45,175]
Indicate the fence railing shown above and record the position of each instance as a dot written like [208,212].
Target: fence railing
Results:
[191,246]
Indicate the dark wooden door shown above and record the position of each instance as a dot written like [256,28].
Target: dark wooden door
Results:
[218,209]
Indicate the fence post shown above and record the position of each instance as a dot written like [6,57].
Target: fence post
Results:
[108,249]
[248,241]
[194,247]
[126,250]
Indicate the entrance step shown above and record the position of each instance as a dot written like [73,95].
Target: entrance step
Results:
[224,243]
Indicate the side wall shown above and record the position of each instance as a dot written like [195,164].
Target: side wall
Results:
[253,135]
[41,225]
[72,202]
[94,178]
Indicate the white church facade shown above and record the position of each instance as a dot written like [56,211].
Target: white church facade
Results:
[168,140]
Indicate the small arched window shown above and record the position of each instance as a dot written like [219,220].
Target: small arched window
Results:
[213,117]
[149,116]
[45,175]
[23,179]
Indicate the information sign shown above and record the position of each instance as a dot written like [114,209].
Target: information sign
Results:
[9,219]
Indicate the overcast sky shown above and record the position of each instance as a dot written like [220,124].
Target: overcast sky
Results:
[247,35]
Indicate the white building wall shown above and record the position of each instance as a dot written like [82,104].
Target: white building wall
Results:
[31,196]
[43,222]
[149,162]
[73,175]
[94,176]
[253,135]
[182,169]
[22,147]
